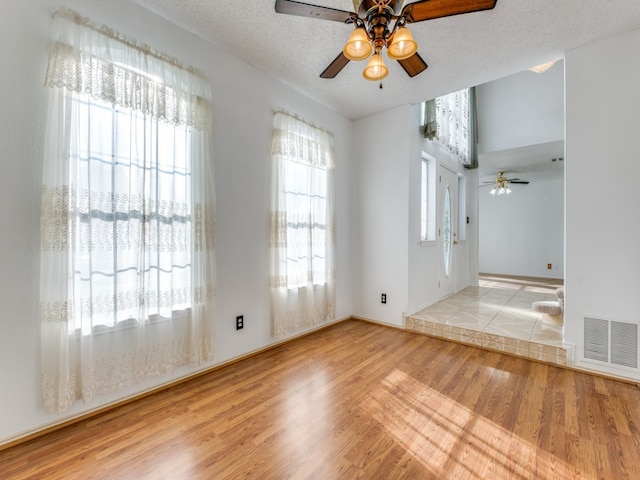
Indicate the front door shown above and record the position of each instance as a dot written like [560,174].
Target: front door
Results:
[447,236]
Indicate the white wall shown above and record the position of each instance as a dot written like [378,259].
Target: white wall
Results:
[522,109]
[423,257]
[472,240]
[243,102]
[522,232]
[388,255]
[381,216]
[602,195]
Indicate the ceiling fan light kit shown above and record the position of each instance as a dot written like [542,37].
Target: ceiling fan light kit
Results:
[376,69]
[382,24]
[502,189]
[501,184]
[402,45]
[358,47]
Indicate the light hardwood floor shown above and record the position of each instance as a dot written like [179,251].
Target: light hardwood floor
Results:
[357,400]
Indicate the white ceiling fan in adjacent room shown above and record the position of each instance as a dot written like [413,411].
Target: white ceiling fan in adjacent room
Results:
[501,184]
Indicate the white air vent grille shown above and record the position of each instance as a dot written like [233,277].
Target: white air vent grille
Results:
[596,339]
[611,342]
[624,344]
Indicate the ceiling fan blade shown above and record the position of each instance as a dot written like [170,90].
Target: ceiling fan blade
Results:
[413,65]
[290,7]
[523,182]
[335,67]
[430,9]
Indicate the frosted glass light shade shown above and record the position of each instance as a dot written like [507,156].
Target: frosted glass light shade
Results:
[403,45]
[375,69]
[358,47]
[500,189]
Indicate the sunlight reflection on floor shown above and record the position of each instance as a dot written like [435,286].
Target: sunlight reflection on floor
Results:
[451,440]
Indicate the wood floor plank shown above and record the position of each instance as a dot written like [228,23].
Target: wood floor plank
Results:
[357,400]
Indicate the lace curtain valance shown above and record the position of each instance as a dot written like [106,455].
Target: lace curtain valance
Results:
[97,61]
[306,143]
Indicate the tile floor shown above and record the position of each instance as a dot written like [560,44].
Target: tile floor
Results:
[497,315]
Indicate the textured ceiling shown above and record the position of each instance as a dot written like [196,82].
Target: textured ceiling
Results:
[461,51]
[532,162]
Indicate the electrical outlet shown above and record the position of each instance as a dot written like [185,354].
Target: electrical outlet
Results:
[383,298]
[548,266]
[239,322]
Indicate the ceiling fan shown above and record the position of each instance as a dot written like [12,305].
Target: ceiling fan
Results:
[375,29]
[501,184]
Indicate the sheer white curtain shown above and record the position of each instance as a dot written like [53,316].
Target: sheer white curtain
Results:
[302,244]
[128,215]
[452,117]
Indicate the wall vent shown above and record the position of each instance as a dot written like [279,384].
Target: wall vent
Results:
[611,342]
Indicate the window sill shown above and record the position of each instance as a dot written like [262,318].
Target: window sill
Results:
[96,330]
[297,290]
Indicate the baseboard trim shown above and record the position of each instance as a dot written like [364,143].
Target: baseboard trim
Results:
[65,422]
[379,323]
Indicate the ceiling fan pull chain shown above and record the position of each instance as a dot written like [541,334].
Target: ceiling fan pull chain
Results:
[380,85]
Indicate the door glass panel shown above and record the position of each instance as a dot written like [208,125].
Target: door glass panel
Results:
[447,231]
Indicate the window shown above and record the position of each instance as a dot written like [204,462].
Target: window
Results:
[133,183]
[302,236]
[451,119]
[127,215]
[452,113]
[427,199]
[305,189]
